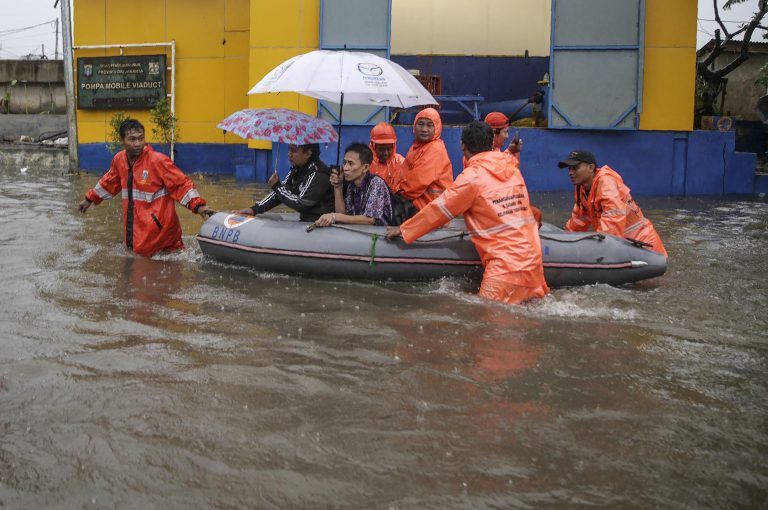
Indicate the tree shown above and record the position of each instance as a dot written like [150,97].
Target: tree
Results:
[710,81]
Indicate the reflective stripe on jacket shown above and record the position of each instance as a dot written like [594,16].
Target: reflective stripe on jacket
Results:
[492,195]
[610,208]
[426,171]
[157,182]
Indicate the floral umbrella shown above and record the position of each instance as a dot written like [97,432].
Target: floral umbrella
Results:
[279,125]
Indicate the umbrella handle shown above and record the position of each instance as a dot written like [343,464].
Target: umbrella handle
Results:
[341,121]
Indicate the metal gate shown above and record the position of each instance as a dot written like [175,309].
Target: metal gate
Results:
[596,64]
[355,25]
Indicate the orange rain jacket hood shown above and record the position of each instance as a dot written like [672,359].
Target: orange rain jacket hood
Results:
[426,171]
[383,133]
[492,195]
[610,208]
[157,182]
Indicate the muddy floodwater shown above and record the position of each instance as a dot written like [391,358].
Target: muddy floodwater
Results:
[179,382]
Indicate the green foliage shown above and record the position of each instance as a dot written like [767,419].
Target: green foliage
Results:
[5,101]
[164,122]
[762,76]
[115,144]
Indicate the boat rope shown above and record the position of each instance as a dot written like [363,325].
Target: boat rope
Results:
[639,243]
[460,235]
[374,237]
[574,239]
[382,236]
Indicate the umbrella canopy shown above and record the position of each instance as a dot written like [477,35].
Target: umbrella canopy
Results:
[279,125]
[346,77]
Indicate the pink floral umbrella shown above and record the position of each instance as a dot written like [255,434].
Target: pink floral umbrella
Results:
[279,125]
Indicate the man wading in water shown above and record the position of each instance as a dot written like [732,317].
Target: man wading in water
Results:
[150,183]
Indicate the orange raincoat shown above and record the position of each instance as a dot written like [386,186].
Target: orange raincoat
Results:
[383,133]
[426,171]
[515,155]
[157,183]
[516,160]
[492,195]
[610,208]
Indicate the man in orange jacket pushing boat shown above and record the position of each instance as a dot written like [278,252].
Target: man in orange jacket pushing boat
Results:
[492,195]
[149,183]
[604,204]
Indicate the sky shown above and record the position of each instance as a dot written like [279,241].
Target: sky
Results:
[17,14]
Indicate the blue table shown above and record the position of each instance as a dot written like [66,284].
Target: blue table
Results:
[462,101]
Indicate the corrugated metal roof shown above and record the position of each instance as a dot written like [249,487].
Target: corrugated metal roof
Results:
[734,46]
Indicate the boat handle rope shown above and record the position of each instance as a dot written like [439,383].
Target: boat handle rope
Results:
[594,235]
[460,235]
[639,243]
[374,237]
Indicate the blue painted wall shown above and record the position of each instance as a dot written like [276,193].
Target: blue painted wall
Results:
[495,78]
[651,162]
[192,157]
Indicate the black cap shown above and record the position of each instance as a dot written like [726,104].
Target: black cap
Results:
[576,157]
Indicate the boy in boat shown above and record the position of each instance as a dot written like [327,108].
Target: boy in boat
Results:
[492,195]
[360,197]
[603,202]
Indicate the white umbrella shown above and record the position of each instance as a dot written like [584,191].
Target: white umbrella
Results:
[346,77]
[349,76]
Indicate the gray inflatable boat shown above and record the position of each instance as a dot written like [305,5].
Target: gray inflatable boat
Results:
[282,244]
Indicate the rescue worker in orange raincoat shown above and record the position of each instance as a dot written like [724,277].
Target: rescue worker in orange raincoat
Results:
[492,195]
[149,183]
[426,171]
[386,160]
[604,204]
[500,125]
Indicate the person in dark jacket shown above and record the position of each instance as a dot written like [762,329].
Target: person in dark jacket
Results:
[306,189]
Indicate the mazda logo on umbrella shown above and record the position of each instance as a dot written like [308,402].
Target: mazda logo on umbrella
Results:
[370,69]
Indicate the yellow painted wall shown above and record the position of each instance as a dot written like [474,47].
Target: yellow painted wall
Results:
[479,27]
[669,78]
[212,58]
[281,30]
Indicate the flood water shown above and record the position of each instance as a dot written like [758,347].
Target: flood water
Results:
[178,382]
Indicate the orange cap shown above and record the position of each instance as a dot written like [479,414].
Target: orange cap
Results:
[383,133]
[496,120]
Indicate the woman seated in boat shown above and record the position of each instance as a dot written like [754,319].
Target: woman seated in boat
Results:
[360,197]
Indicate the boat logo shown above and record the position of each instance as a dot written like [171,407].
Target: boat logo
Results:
[370,69]
[236,220]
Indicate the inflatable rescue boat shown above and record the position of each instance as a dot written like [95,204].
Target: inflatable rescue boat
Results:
[282,244]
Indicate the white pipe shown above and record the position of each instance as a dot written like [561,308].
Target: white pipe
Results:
[173,96]
[136,45]
[69,86]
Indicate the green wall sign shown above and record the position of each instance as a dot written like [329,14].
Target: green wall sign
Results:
[131,82]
